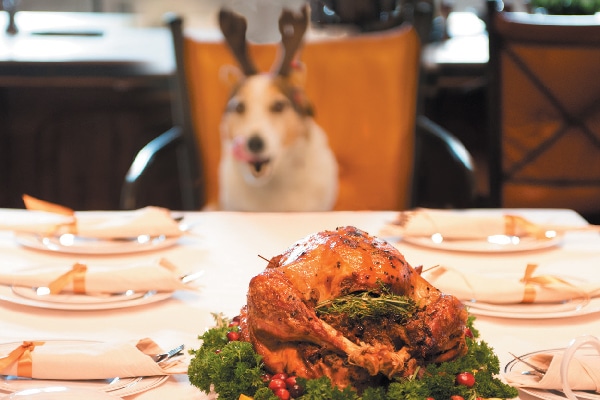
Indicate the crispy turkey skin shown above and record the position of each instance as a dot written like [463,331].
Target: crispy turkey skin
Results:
[281,321]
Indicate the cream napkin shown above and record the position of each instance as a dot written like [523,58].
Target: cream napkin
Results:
[47,218]
[89,360]
[451,224]
[151,221]
[161,276]
[499,290]
[40,222]
[584,373]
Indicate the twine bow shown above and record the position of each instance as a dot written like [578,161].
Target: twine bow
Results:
[531,282]
[76,276]
[22,355]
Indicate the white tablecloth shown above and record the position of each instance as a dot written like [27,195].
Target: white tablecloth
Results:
[228,248]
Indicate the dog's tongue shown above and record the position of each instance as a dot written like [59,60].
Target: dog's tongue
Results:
[240,153]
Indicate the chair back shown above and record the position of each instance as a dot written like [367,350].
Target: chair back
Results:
[364,92]
[544,105]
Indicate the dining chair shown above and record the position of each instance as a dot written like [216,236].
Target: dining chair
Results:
[544,110]
[364,90]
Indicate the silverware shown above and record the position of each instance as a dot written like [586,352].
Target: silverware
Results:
[191,277]
[534,373]
[536,370]
[169,354]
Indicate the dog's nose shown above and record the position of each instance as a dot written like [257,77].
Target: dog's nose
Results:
[256,144]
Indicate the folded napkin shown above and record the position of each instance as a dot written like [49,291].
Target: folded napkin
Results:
[161,276]
[461,224]
[584,373]
[48,218]
[39,222]
[152,221]
[87,360]
[451,224]
[31,203]
[497,290]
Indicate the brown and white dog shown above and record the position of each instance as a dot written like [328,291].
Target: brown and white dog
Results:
[274,156]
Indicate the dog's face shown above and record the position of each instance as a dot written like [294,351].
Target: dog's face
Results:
[263,119]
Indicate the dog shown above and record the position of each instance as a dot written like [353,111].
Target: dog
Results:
[274,156]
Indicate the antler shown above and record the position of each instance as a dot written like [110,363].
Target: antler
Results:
[233,26]
[292,28]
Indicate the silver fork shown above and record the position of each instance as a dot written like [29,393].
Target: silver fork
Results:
[169,354]
[536,370]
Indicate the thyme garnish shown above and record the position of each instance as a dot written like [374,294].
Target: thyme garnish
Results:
[369,304]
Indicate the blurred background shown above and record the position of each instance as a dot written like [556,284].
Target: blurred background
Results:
[84,84]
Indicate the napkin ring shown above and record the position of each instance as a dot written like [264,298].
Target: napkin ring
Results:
[21,355]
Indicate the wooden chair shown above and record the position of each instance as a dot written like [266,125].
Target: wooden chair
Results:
[544,104]
[364,91]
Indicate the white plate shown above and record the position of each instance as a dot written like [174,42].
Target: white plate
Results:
[59,393]
[573,307]
[74,298]
[502,244]
[115,386]
[27,297]
[544,394]
[78,245]
[535,311]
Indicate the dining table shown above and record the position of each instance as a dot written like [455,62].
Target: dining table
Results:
[227,249]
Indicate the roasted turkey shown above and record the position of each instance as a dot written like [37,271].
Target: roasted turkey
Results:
[282,321]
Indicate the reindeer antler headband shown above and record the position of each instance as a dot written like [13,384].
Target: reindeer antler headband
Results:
[291,26]
[234,27]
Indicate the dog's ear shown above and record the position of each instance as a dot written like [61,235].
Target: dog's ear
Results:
[231,75]
[297,74]
[292,86]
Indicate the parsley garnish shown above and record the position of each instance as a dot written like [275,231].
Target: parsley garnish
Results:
[233,368]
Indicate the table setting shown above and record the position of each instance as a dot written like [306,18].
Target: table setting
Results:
[52,227]
[79,287]
[122,368]
[528,303]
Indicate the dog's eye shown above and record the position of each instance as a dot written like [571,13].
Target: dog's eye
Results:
[240,108]
[278,106]
[236,106]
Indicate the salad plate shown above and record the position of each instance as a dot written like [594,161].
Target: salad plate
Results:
[545,394]
[72,244]
[119,387]
[490,244]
